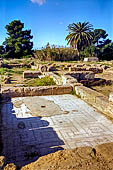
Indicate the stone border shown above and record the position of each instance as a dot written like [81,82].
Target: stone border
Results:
[36,91]
[96,99]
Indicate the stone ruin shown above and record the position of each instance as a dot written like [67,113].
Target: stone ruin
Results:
[72,80]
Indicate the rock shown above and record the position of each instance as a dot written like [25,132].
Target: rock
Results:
[7,80]
[105,67]
[2,161]
[111,97]
[10,166]
[67,79]
[51,68]
[82,75]
[77,68]
[33,67]
[66,68]
[96,70]
[91,59]
[35,91]
[42,68]
[31,74]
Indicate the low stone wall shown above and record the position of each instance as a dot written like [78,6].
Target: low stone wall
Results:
[80,75]
[18,65]
[95,70]
[31,74]
[36,91]
[96,99]
[67,79]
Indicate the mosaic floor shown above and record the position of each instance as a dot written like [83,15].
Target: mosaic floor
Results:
[27,137]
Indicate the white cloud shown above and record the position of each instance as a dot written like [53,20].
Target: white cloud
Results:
[39,2]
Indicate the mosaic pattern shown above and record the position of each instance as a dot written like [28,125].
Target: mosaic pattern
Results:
[26,137]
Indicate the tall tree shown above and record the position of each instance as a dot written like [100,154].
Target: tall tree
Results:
[2,50]
[80,35]
[18,43]
[101,46]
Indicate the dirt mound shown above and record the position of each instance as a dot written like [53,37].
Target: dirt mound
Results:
[83,158]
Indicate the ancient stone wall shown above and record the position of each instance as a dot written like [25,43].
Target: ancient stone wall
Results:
[31,74]
[96,99]
[36,91]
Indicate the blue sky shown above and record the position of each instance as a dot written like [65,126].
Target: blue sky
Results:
[48,19]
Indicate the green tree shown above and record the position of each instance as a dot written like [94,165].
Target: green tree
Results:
[100,36]
[99,45]
[80,35]
[106,52]
[2,50]
[18,43]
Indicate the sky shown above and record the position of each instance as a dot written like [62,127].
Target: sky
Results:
[48,19]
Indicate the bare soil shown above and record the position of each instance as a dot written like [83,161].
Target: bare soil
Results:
[105,89]
[83,158]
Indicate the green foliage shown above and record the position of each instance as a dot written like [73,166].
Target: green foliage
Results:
[18,43]
[106,52]
[56,54]
[3,71]
[45,81]
[2,50]
[9,71]
[80,35]
[101,47]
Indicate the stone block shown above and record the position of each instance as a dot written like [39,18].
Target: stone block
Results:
[67,79]
[51,68]
[82,75]
[33,67]
[91,59]
[42,68]
[95,70]
[111,97]
[58,90]
[31,74]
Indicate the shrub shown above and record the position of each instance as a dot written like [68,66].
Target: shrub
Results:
[45,81]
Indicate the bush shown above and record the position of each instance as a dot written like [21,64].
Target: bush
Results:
[45,81]
[56,54]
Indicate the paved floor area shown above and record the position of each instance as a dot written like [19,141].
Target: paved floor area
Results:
[26,137]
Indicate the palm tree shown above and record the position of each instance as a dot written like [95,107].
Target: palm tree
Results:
[80,35]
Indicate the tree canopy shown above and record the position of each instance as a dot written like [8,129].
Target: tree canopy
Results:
[80,35]
[17,44]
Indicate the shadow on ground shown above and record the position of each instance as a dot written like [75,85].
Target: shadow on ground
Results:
[26,139]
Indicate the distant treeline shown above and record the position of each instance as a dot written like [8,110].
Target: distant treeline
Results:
[83,41]
[56,54]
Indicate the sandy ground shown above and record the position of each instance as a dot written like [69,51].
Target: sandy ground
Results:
[77,159]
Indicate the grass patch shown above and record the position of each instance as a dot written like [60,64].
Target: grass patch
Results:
[10,71]
[45,81]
